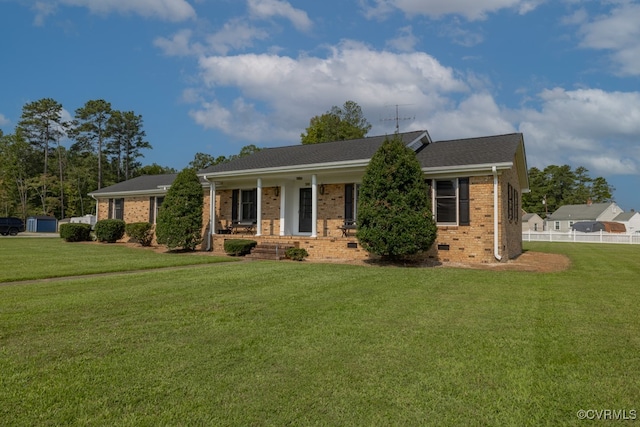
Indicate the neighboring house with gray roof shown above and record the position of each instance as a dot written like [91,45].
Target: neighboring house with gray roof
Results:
[565,216]
[307,196]
[532,222]
[631,220]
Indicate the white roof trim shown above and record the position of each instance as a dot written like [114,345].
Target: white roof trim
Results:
[289,169]
[468,168]
[159,190]
[149,192]
[423,139]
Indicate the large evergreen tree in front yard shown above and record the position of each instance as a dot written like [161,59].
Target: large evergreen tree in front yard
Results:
[179,222]
[394,212]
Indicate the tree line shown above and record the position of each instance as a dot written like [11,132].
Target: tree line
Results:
[556,186]
[40,176]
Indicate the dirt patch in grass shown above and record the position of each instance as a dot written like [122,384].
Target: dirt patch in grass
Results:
[528,261]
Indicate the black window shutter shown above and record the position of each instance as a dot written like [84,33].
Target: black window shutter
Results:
[234,205]
[110,213]
[151,210]
[348,202]
[516,201]
[463,201]
[510,202]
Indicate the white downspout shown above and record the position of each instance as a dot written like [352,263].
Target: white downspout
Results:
[496,242]
[212,214]
[259,207]
[314,205]
[97,205]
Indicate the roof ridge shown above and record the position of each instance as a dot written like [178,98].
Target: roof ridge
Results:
[480,137]
[342,140]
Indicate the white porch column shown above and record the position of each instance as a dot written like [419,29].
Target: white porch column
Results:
[283,192]
[259,208]
[314,205]
[212,207]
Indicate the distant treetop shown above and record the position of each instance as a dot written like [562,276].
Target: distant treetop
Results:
[337,124]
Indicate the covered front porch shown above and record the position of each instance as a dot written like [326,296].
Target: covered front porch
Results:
[290,206]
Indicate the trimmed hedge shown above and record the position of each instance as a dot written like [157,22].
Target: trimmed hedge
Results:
[75,232]
[109,230]
[140,232]
[239,247]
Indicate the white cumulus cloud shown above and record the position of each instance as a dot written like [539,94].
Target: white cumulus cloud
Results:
[269,8]
[470,9]
[589,127]
[617,32]
[293,90]
[169,10]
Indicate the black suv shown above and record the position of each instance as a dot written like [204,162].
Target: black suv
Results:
[10,225]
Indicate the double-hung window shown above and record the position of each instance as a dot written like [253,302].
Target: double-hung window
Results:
[154,208]
[451,201]
[244,205]
[351,194]
[116,208]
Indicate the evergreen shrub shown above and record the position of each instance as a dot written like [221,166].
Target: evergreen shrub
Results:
[296,254]
[75,232]
[109,230]
[179,223]
[394,211]
[140,232]
[239,247]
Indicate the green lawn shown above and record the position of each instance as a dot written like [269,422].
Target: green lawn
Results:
[284,343]
[38,258]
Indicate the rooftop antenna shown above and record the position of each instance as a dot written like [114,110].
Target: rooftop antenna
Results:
[397,118]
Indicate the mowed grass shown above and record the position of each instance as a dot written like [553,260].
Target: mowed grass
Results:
[284,343]
[38,258]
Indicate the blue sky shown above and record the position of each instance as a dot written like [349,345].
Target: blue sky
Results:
[215,75]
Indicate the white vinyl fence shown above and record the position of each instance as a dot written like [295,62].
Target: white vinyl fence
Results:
[579,237]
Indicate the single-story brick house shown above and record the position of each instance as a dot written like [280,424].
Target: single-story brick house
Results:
[304,195]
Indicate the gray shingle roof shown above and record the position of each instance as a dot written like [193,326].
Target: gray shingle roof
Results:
[140,183]
[470,151]
[327,152]
[579,212]
[526,217]
[458,152]
[625,216]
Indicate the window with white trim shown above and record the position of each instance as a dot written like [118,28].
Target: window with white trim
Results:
[244,205]
[154,208]
[116,209]
[351,195]
[450,201]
